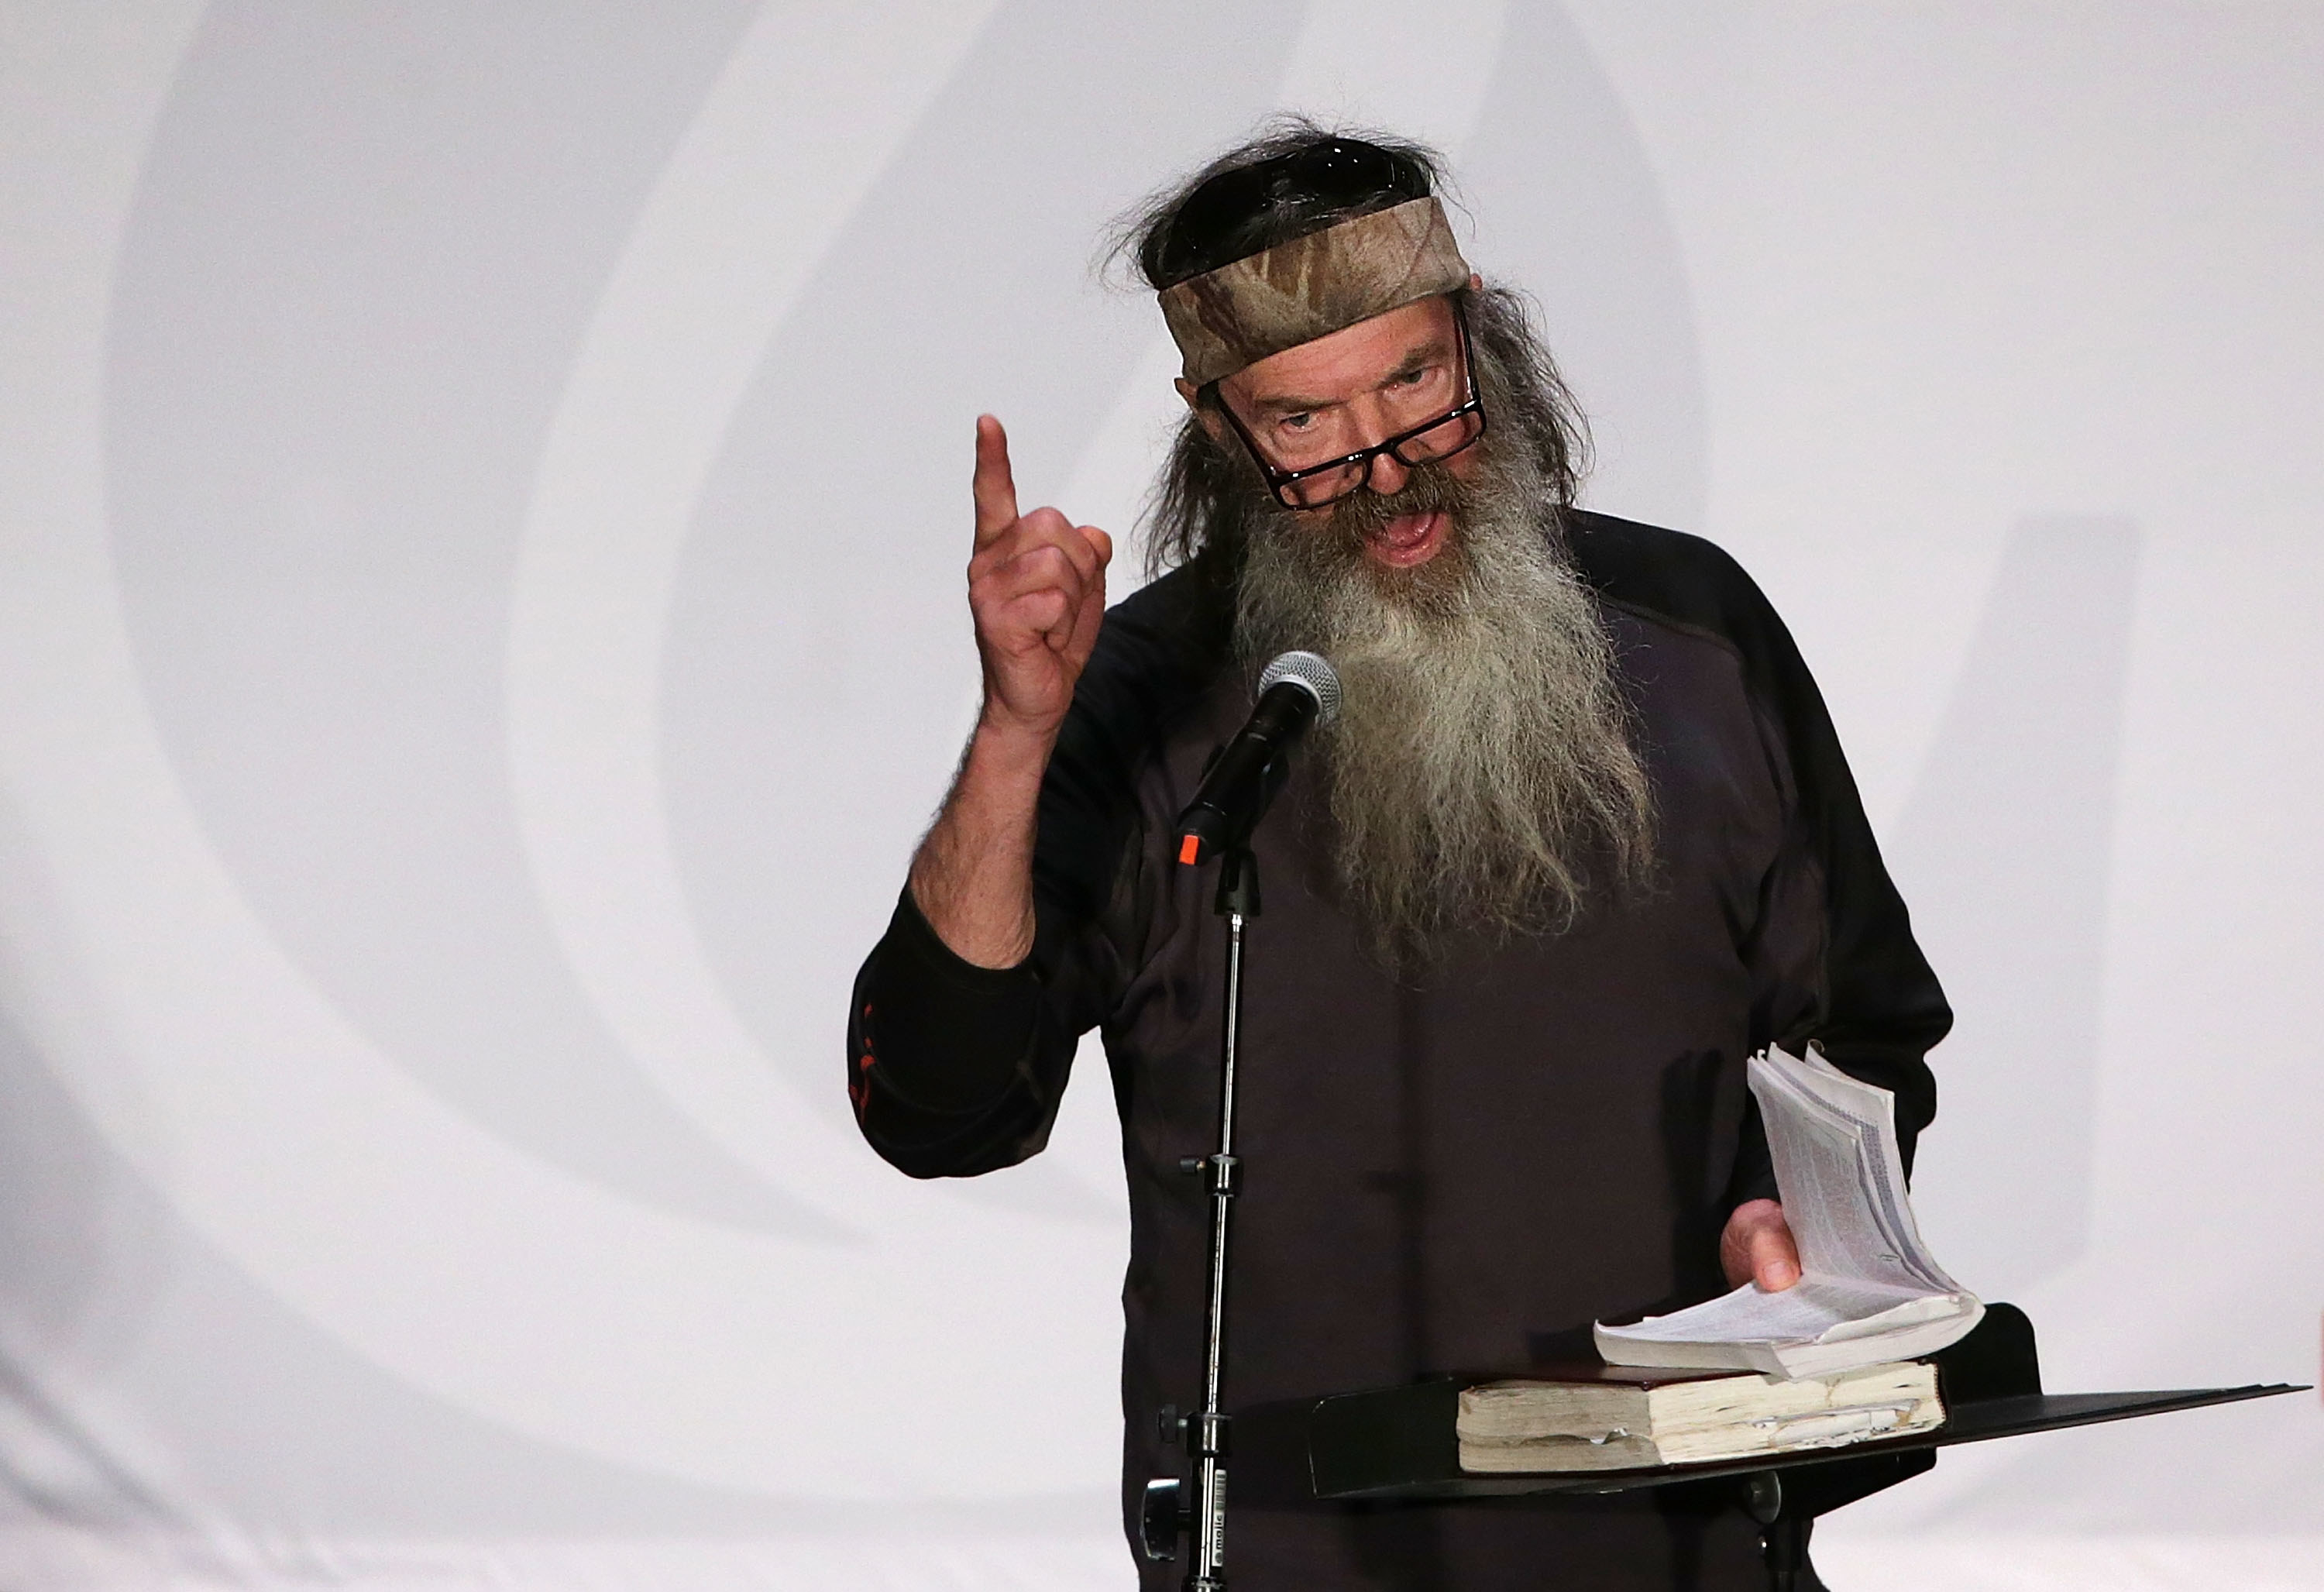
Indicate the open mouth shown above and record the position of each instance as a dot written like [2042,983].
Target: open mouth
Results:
[1407,540]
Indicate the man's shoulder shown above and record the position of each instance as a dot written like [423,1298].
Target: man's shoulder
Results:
[1688,584]
[1162,644]
[1159,653]
[1683,580]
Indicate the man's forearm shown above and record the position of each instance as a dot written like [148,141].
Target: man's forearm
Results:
[973,876]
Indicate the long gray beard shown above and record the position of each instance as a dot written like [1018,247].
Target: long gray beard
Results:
[1481,776]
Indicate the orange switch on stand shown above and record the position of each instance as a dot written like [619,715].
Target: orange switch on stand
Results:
[1190,848]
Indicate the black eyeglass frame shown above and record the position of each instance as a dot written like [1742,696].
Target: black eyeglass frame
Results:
[1280,482]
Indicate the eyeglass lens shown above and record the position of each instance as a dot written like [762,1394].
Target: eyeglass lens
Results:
[1440,440]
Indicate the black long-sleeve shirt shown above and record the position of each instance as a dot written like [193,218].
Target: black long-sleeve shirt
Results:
[1460,1172]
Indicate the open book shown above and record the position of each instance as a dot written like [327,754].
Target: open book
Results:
[1869,1289]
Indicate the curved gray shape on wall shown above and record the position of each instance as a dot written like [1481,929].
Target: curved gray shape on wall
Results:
[293,1435]
[1562,183]
[364,247]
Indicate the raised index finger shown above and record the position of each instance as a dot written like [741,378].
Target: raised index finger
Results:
[996,487]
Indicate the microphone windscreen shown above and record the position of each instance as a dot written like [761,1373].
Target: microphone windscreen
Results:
[1309,671]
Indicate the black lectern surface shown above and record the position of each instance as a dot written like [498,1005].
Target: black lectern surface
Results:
[1399,1443]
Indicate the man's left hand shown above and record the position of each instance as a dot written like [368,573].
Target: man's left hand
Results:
[1757,1248]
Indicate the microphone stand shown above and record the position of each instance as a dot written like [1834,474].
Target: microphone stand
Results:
[1206,1438]
[1295,690]
[1166,1515]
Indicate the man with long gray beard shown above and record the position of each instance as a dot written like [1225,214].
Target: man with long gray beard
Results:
[1580,841]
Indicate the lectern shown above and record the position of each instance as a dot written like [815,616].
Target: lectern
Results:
[1399,1443]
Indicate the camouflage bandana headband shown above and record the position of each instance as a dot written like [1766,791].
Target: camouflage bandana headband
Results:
[1310,287]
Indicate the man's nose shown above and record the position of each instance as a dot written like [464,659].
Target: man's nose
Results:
[1387,474]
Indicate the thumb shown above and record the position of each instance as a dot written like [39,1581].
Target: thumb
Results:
[1076,646]
[1774,1257]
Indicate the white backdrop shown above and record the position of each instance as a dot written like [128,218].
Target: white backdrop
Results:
[482,501]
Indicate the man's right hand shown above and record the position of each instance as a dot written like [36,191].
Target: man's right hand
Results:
[1037,587]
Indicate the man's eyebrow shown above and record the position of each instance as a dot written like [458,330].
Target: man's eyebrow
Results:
[1292,403]
[1436,351]
[1433,351]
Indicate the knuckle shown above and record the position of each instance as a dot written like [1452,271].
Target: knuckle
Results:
[1046,561]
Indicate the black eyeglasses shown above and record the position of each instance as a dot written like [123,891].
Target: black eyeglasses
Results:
[1318,487]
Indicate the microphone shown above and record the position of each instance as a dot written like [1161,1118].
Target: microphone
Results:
[1295,690]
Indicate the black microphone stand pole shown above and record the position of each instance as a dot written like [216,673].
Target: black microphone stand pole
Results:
[1238,903]
[1206,1430]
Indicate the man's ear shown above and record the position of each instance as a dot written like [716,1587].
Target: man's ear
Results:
[1208,417]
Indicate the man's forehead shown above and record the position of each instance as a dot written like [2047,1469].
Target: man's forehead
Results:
[1353,358]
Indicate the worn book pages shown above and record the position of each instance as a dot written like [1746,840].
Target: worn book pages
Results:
[1617,1418]
[1869,1290]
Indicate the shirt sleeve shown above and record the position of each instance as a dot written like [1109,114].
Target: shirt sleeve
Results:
[1873,1006]
[951,1076]
[955,1069]
[958,1070]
